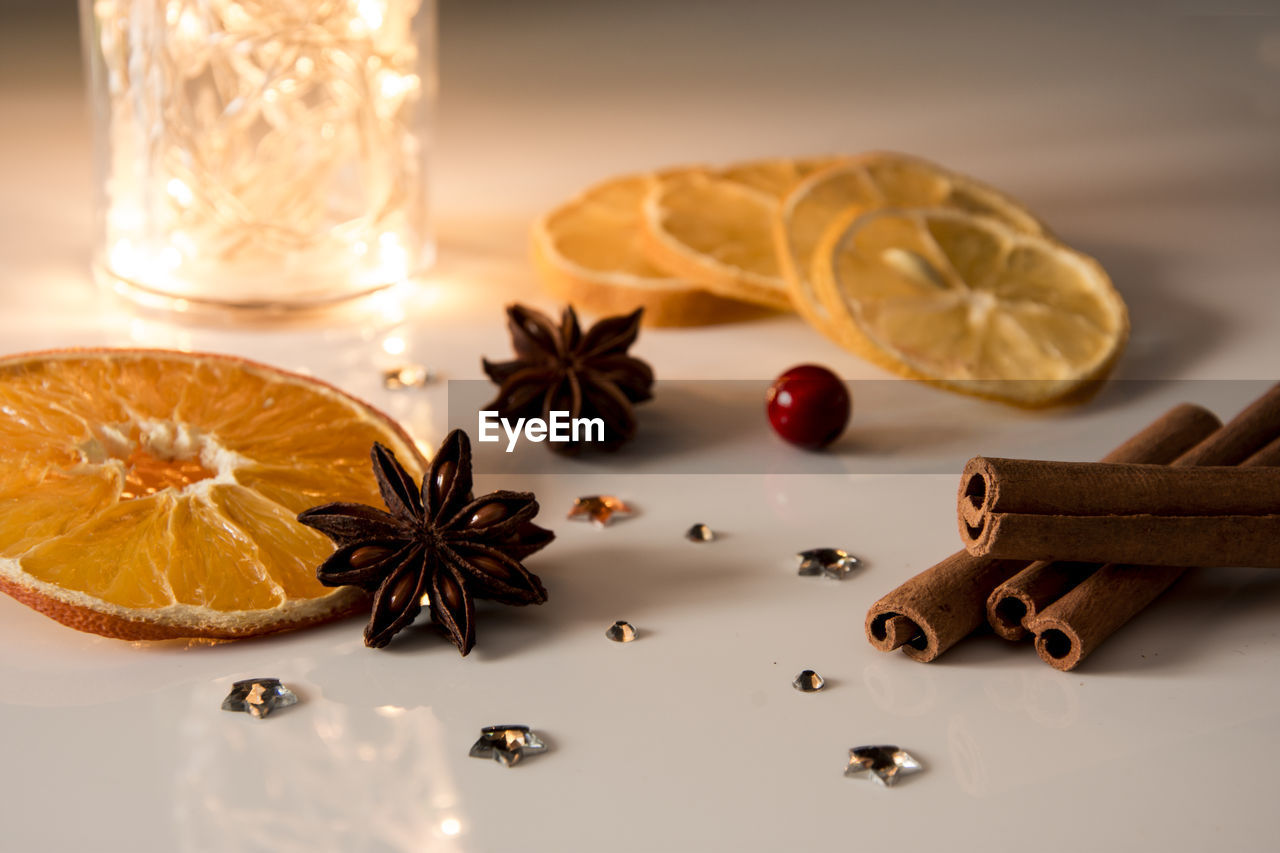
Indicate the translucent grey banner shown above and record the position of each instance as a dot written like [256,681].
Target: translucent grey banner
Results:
[898,427]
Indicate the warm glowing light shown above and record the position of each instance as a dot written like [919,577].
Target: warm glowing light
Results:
[371,13]
[393,260]
[174,227]
[451,826]
[180,192]
[389,304]
[124,259]
[161,335]
[389,711]
[235,17]
[183,243]
[391,269]
[394,345]
[393,85]
[190,27]
[425,601]
[125,217]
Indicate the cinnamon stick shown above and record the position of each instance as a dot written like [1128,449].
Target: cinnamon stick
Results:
[937,608]
[1121,513]
[1267,456]
[1020,599]
[1022,596]
[1072,628]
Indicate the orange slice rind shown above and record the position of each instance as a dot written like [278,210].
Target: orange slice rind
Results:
[149,494]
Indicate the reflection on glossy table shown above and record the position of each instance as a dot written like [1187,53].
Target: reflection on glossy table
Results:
[1146,136]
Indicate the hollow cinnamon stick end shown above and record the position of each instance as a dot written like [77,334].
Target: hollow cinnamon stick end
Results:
[925,648]
[1006,609]
[977,492]
[979,533]
[975,488]
[888,630]
[1058,644]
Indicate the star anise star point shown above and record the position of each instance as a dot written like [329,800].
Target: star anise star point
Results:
[559,367]
[437,545]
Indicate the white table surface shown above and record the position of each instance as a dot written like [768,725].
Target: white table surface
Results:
[1148,136]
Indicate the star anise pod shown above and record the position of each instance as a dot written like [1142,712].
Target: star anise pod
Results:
[559,368]
[439,544]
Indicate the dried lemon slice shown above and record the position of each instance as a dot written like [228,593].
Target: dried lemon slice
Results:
[968,302]
[870,182]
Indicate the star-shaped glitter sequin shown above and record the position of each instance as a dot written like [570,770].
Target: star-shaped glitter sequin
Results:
[828,562]
[508,745]
[884,764]
[598,509]
[258,696]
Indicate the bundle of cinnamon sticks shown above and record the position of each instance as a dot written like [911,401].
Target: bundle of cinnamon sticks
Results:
[1070,552]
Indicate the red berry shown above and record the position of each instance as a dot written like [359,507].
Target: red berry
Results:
[808,406]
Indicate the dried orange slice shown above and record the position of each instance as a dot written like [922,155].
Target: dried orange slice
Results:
[148,494]
[777,176]
[588,252]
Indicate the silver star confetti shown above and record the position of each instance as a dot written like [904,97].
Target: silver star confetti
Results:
[808,681]
[508,745]
[828,562]
[700,533]
[258,696]
[884,764]
[621,632]
[598,509]
[407,376]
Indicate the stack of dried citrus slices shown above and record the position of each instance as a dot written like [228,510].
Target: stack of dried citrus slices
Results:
[148,494]
[928,273]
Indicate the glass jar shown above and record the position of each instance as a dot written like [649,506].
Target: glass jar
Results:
[260,153]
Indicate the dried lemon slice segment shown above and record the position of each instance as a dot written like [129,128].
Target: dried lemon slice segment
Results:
[871,182]
[968,302]
[715,226]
